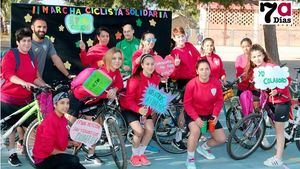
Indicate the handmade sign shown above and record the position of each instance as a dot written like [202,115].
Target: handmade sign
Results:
[80,23]
[164,67]
[271,77]
[97,83]
[86,132]
[156,99]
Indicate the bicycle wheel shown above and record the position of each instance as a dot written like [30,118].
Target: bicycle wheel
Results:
[233,116]
[129,135]
[245,137]
[165,132]
[269,139]
[120,121]
[29,141]
[117,145]
[297,136]
[102,148]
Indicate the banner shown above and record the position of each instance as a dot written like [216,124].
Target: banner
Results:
[67,44]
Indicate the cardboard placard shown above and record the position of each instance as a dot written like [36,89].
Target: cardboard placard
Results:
[97,83]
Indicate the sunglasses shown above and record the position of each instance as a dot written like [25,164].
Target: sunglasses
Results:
[149,40]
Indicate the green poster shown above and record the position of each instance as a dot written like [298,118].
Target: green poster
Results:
[80,23]
[97,83]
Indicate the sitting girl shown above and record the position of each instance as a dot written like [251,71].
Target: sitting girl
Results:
[113,60]
[49,151]
[138,116]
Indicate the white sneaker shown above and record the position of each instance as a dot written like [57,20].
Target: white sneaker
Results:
[273,162]
[190,164]
[205,153]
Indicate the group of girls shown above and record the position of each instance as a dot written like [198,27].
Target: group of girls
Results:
[200,73]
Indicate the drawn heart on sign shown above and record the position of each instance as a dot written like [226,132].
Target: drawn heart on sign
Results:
[164,67]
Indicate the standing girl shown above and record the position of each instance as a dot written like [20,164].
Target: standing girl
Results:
[186,56]
[146,47]
[240,65]
[137,115]
[279,102]
[216,65]
[93,58]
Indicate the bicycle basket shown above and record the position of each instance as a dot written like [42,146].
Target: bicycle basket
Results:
[228,94]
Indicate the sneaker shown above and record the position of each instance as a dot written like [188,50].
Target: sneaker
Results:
[273,162]
[265,142]
[13,160]
[205,153]
[135,161]
[144,160]
[20,147]
[190,164]
[179,145]
[94,158]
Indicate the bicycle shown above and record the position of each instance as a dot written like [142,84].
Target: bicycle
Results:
[167,127]
[32,109]
[248,134]
[29,137]
[115,128]
[295,84]
[233,111]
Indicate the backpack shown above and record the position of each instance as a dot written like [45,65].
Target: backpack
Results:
[81,77]
[246,101]
[17,57]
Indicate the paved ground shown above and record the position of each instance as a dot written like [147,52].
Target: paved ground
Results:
[163,160]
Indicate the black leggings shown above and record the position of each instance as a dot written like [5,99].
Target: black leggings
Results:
[61,161]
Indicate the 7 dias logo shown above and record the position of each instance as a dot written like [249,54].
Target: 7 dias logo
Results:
[275,12]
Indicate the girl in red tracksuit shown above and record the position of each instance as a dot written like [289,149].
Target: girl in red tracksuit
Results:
[215,62]
[93,58]
[200,109]
[134,111]
[147,44]
[185,55]
[279,102]
[51,139]
[113,60]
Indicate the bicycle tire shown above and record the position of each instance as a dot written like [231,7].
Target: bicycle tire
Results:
[29,141]
[269,139]
[244,142]
[233,116]
[129,135]
[102,149]
[117,146]
[165,134]
[297,136]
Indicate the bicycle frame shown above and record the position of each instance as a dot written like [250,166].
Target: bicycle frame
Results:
[33,107]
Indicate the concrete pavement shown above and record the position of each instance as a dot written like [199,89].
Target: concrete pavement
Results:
[163,160]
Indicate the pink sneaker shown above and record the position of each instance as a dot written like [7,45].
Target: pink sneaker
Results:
[135,161]
[144,160]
